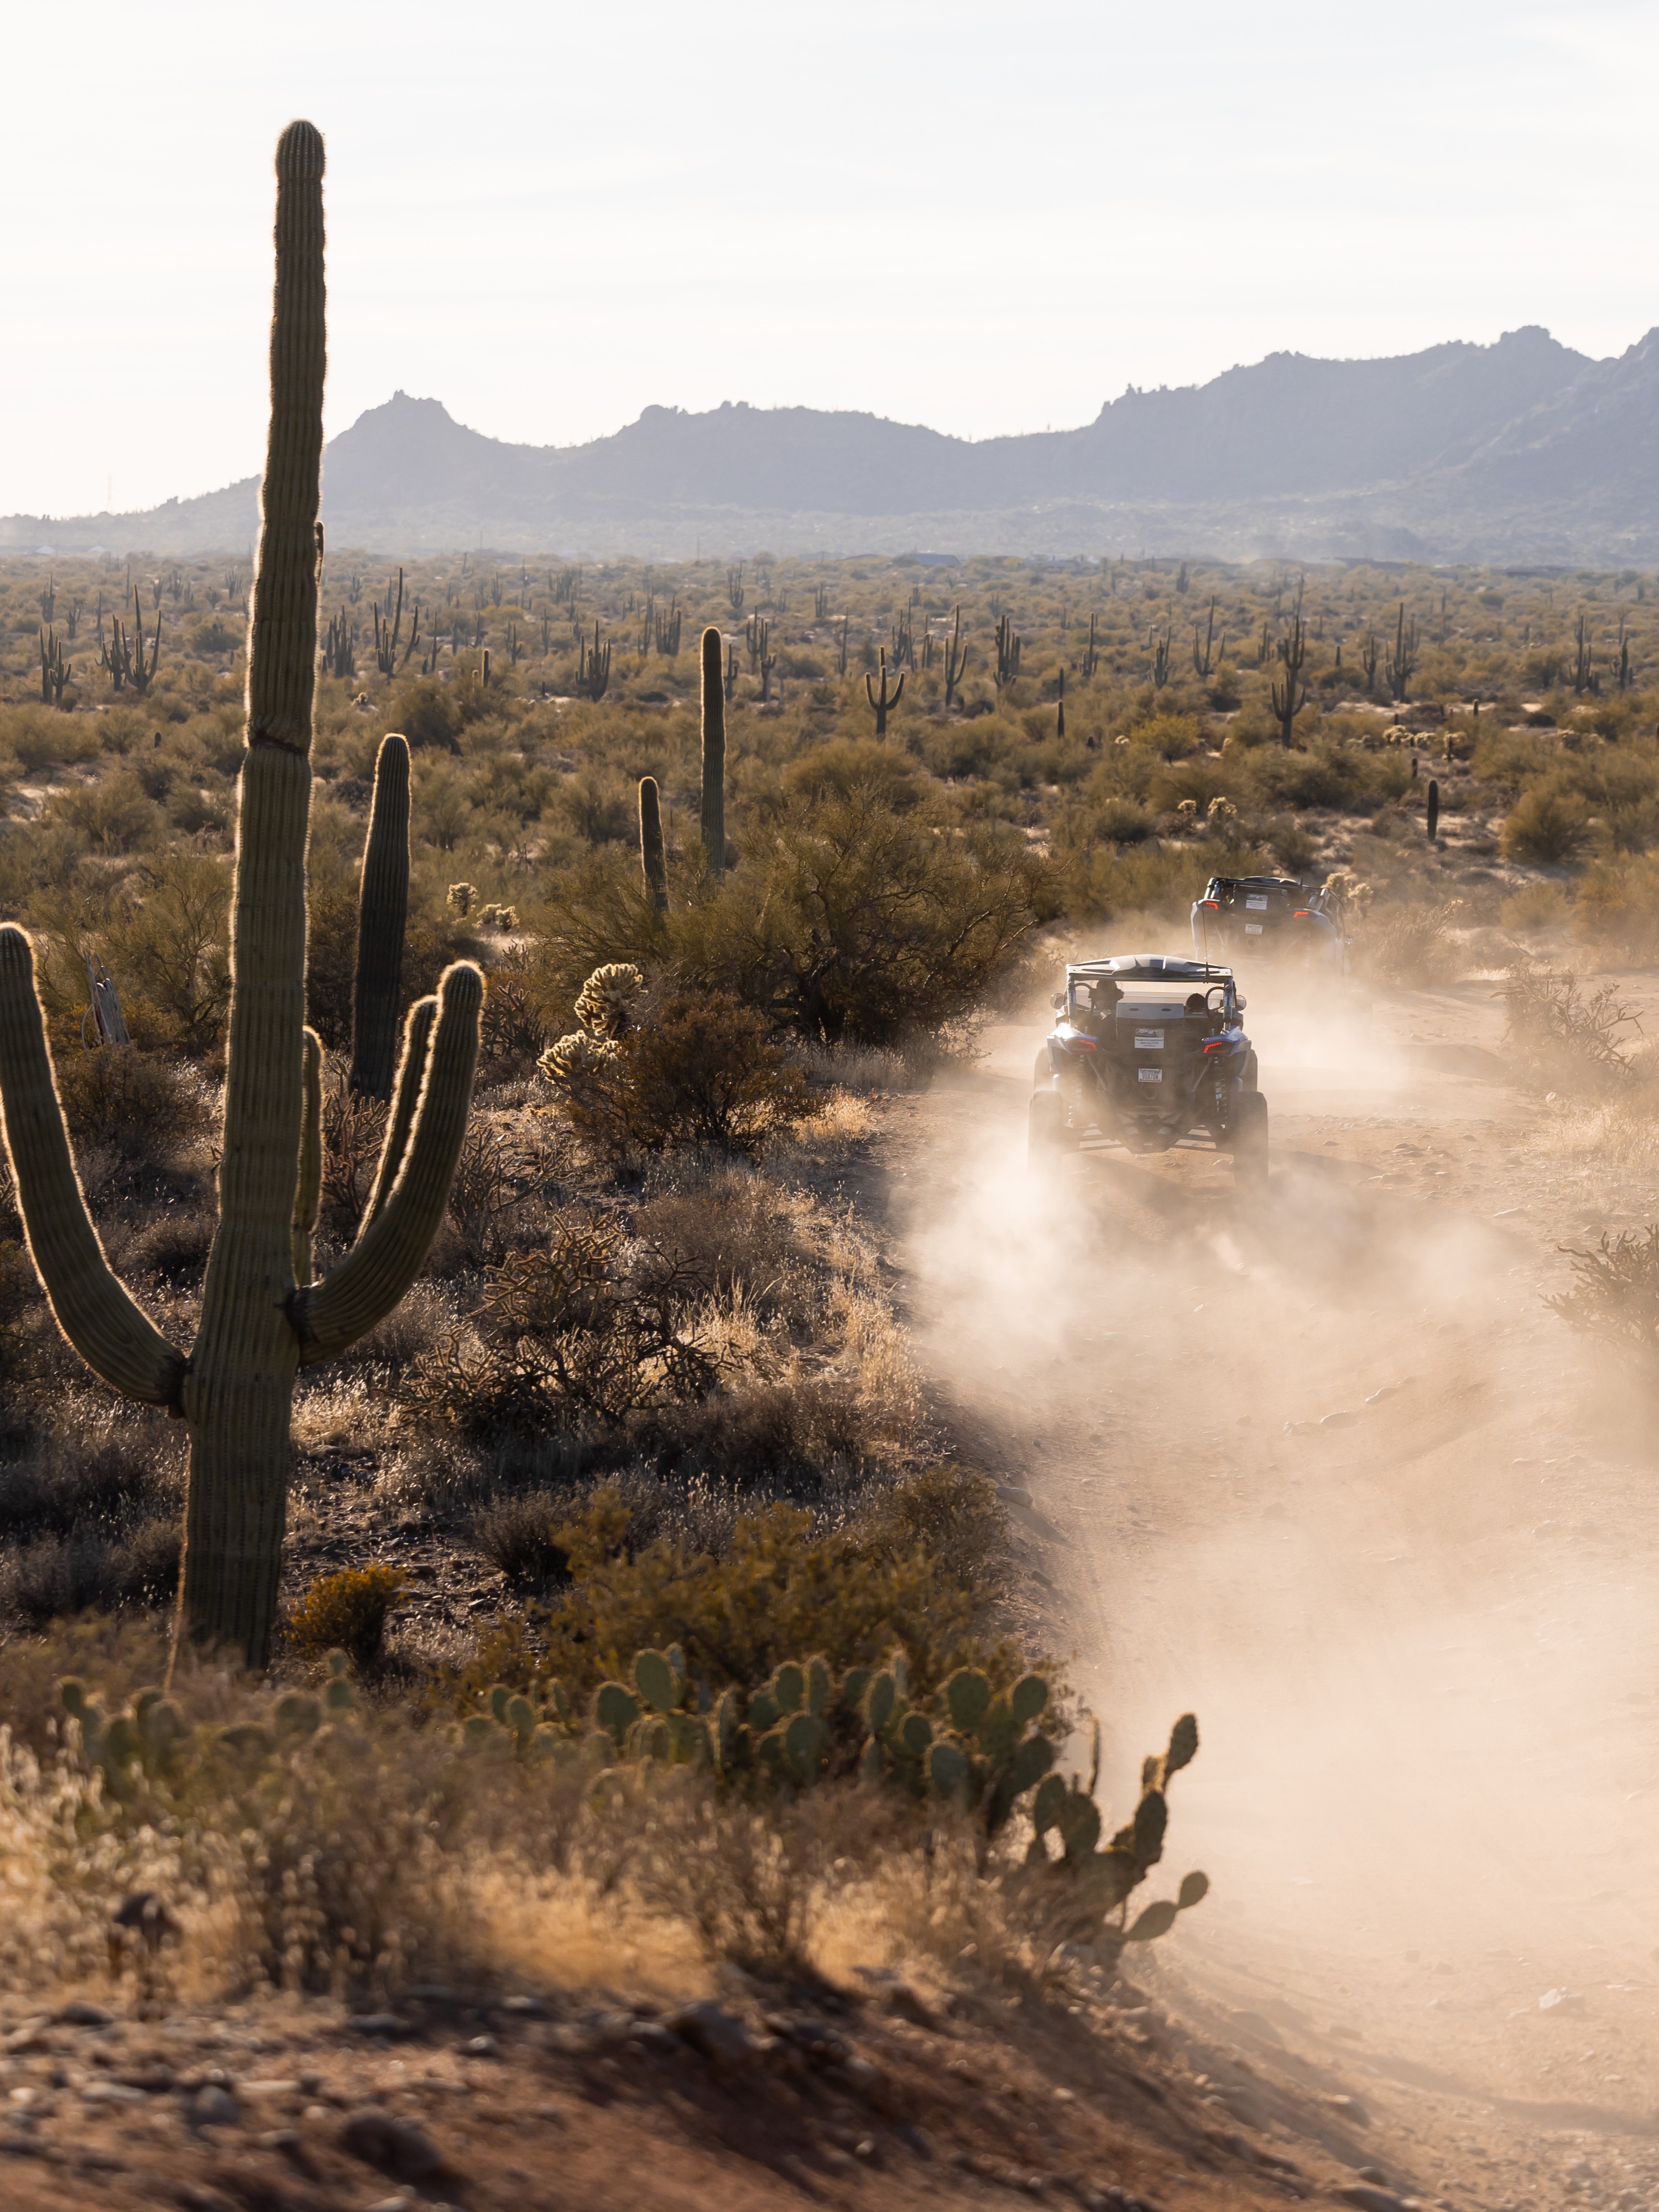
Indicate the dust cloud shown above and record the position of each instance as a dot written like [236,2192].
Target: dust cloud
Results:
[1324,1469]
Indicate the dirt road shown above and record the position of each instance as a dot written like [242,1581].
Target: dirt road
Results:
[1327,1471]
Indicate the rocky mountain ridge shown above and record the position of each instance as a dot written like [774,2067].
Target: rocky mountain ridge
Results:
[1521,451]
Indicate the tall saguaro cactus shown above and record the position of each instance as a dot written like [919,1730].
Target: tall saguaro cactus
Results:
[713,753]
[262,1318]
[882,701]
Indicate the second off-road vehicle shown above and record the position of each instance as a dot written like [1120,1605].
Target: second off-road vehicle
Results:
[1149,1052]
[1278,915]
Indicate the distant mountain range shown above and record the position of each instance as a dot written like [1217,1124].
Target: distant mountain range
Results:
[1523,452]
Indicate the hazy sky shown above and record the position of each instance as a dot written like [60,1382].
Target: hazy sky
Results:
[986,218]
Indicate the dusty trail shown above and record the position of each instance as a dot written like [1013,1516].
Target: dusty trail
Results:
[1327,1471]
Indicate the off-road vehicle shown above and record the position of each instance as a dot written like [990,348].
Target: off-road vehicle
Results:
[1150,1053]
[1275,914]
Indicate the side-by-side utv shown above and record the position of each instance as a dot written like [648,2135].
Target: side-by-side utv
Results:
[1278,916]
[1149,1052]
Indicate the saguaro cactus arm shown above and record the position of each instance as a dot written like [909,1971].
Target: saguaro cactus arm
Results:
[411,1072]
[92,1306]
[382,915]
[652,864]
[391,1252]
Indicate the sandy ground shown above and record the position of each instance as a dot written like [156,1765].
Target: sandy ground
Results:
[1326,1470]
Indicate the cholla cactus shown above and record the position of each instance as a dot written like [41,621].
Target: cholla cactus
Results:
[576,1059]
[1344,888]
[501,918]
[1221,814]
[463,897]
[603,1003]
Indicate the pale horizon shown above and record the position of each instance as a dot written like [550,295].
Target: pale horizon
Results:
[925,216]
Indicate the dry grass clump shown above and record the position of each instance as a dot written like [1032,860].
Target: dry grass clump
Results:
[519,1534]
[54,1577]
[90,1500]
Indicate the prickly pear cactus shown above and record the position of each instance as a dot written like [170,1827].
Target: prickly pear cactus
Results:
[1088,1884]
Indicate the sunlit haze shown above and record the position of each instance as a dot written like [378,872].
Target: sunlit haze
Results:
[982,219]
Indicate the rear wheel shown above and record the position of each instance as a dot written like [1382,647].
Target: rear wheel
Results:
[1046,1132]
[1250,1141]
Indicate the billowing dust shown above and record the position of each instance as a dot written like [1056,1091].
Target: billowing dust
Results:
[1326,1470]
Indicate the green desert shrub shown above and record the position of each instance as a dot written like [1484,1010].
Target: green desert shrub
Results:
[851,916]
[1546,825]
[698,1070]
[779,1590]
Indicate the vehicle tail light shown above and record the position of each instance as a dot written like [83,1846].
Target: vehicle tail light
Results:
[1218,1044]
[1214,905]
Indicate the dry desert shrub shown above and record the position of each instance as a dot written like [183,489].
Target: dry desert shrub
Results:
[90,1570]
[90,1499]
[1561,1037]
[692,1072]
[136,1103]
[1405,945]
[597,1329]
[1616,908]
[737,1328]
[1614,1296]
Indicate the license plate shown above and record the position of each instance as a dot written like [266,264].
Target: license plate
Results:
[1152,1074]
[1149,1040]
[1256,905]
[1253,929]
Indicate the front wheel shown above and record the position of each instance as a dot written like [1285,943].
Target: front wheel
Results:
[1250,1141]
